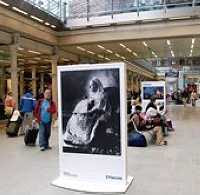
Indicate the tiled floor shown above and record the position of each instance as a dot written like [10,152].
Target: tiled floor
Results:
[172,169]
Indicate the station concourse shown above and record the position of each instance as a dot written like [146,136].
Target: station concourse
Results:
[158,40]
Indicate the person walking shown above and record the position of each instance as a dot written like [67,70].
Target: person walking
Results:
[44,112]
[27,105]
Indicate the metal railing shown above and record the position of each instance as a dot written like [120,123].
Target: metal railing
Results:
[89,8]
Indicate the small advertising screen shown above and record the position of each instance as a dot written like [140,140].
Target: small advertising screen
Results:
[149,91]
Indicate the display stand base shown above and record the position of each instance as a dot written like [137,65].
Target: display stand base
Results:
[92,187]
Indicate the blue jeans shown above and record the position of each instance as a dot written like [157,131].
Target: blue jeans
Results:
[44,134]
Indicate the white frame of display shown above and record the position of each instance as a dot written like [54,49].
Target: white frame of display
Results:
[101,173]
[152,84]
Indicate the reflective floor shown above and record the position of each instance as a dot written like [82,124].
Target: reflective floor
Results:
[172,169]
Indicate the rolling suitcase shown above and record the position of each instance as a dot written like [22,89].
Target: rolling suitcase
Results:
[14,124]
[31,135]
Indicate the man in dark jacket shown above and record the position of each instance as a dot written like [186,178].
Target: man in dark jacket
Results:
[27,106]
[44,111]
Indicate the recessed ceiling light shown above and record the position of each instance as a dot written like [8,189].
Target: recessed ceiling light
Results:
[122,57]
[129,50]
[145,44]
[35,52]
[100,56]
[135,54]
[47,24]
[81,48]
[109,51]
[168,42]
[36,18]
[19,10]
[20,48]
[4,3]
[108,59]
[122,45]
[192,46]
[193,40]
[100,46]
[53,26]
[117,55]
[90,52]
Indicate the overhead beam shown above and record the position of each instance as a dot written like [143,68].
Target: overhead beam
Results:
[17,23]
[158,30]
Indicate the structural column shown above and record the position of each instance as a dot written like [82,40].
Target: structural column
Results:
[42,82]
[34,84]
[54,63]
[21,83]
[14,75]
[2,83]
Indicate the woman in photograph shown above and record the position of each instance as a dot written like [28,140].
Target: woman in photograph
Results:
[86,115]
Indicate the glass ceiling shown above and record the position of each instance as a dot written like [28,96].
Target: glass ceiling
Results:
[53,7]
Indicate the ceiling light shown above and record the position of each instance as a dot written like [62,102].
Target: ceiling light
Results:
[91,52]
[122,45]
[145,44]
[168,42]
[35,52]
[108,59]
[19,10]
[191,51]
[193,40]
[117,55]
[100,46]
[47,60]
[20,48]
[191,55]
[36,18]
[100,56]
[21,59]
[65,59]
[47,24]
[109,51]
[135,54]
[122,57]
[37,58]
[3,3]
[81,48]
[53,26]
[129,50]
[192,46]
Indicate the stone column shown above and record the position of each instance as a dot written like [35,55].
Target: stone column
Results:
[14,75]
[21,83]
[54,63]
[34,84]
[2,83]
[42,82]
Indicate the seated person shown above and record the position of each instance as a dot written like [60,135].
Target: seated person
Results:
[141,124]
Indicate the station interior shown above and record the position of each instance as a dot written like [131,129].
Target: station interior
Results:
[157,40]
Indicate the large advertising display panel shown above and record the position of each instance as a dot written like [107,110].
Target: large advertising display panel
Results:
[92,127]
[156,89]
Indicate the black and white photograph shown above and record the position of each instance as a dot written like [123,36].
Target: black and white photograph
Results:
[91,111]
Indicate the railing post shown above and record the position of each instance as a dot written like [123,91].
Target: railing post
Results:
[88,10]
[193,3]
[138,8]
[112,7]
[165,6]
[65,12]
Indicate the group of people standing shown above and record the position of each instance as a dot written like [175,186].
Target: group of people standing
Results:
[43,111]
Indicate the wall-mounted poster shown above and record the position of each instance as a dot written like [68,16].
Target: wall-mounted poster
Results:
[157,91]
[92,127]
